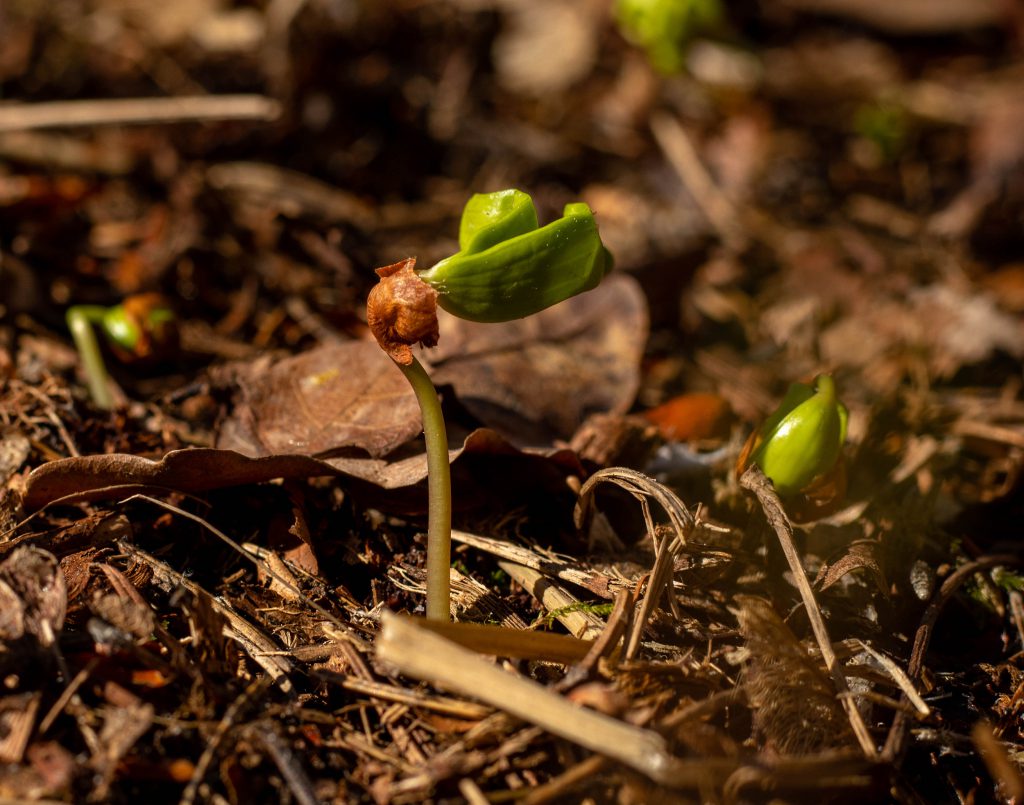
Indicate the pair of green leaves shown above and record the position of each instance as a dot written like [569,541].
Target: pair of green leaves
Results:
[508,266]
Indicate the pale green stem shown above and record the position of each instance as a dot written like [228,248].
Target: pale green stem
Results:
[81,319]
[439,492]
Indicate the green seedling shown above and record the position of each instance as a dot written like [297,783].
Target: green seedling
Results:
[507,267]
[140,328]
[665,28]
[802,440]
[884,125]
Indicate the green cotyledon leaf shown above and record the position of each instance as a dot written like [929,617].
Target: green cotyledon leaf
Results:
[121,328]
[489,218]
[507,270]
[804,437]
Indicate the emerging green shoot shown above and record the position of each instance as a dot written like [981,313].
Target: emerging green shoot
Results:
[664,28]
[140,328]
[507,267]
[802,440]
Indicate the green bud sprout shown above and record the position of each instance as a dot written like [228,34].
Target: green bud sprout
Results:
[664,28]
[802,440]
[507,267]
[141,328]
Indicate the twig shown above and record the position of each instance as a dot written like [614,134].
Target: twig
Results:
[416,698]
[420,654]
[290,192]
[188,796]
[562,604]
[67,695]
[135,111]
[471,791]
[755,481]
[299,784]
[683,524]
[260,647]
[902,681]
[557,788]
[898,731]
[615,627]
[565,569]
[504,642]
[703,707]
[682,155]
[1003,770]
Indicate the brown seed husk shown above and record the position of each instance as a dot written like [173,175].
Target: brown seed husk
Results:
[401,311]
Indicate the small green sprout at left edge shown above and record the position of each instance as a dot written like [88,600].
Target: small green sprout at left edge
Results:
[507,267]
[802,440]
[140,328]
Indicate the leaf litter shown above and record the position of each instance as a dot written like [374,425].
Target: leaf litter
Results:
[198,587]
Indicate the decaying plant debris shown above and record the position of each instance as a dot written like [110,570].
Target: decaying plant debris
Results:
[213,593]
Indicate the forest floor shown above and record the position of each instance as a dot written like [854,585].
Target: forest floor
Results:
[197,582]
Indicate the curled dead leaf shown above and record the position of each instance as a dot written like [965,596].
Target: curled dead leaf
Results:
[197,470]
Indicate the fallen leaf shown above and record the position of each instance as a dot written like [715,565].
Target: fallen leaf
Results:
[692,417]
[608,440]
[129,616]
[345,409]
[195,470]
[537,379]
[339,397]
[861,554]
[947,327]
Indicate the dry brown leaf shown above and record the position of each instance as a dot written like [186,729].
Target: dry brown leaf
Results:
[129,616]
[122,728]
[339,397]
[945,326]
[688,417]
[346,409]
[196,470]
[538,378]
[861,554]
